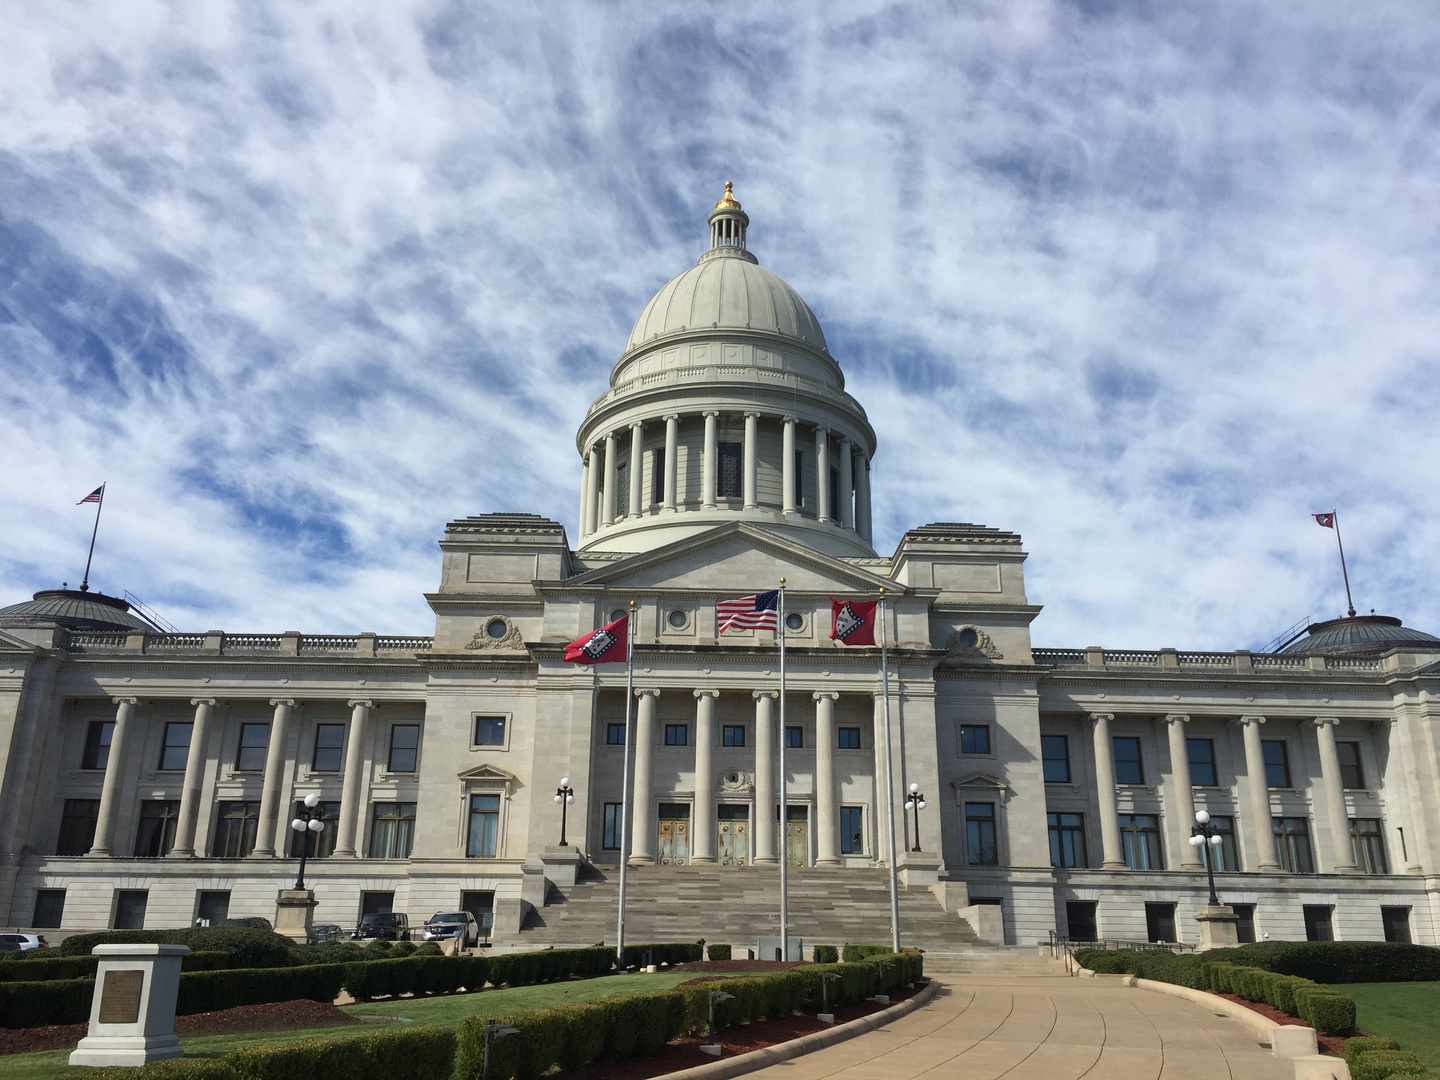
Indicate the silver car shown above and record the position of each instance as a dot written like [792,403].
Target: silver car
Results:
[452,924]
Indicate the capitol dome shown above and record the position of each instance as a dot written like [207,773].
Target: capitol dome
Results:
[74,609]
[1361,635]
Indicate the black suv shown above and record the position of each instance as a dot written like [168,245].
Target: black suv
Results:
[389,925]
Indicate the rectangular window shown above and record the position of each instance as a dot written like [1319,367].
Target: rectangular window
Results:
[622,489]
[1128,769]
[1292,844]
[849,738]
[1067,840]
[329,748]
[614,734]
[980,847]
[376,903]
[728,481]
[235,828]
[1080,920]
[254,740]
[1201,753]
[835,494]
[156,835]
[1351,775]
[1226,855]
[852,830]
[677,734]
[657,477]
[1244,922]
[1394,920]
[392,830]
[97,744]
[1277,763]
[1055,756]
[176,750]
[974,738]
[1317,922]
[733,735]
[1367,840]
[322,844]
[50,909]
[1140,841]
[130,909]
[799,480]
[1160,922]
[212,905]
[404,747]
[484,834]
[77,826]
[611,840]
[794,738]
[490,731]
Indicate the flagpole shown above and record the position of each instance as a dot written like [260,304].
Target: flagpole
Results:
[889,780]
[1334,520]
[625,784]
[85,584]
[784,802]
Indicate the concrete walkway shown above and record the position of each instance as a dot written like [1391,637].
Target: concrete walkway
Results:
[1047,1028]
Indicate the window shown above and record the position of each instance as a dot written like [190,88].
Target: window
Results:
[1292,844]
[376,903]
[622,489]
[1160,922]
[733,735]
[799,480]
[156,835]
[484,834]
[1244,922]
[974,738]
[77,826]
[1140,841]
[329,748]
[611,840]
[130,909]
[834,494]
[1394,920]
[849,738]
[1067,840]
[677,735]
[614,734]
[50,910]
[1201,753]
[1317,923]
[1367,840]
[794,738]
[97,744]
[482,906]
[1277,763]
[657,477]
[980,849]
[1351,775]
[727,482]
[392,832]
[1055,758]
[254,739]
[235,830]
[1226,857]
[490,731]
[212,905]
[322,844]
[795,622]
[1080,920]
[1128,769]
[176,751]
[404,747]
[852,830]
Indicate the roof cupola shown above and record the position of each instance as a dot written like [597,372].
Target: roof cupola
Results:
[727,227]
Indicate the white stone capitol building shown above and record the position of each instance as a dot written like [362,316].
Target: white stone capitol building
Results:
[149,778]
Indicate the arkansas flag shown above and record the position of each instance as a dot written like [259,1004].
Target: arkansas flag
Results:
[853,621]
[603,646]
[1328,520]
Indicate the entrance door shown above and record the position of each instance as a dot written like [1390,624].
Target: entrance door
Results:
[674,834]
[797,836]
[734,834]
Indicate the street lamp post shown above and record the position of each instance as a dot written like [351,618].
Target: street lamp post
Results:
[916,802]
[564,795]
[1205,835]
[308,822]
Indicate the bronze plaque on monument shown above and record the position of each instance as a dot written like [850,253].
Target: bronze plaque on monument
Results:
[120,996]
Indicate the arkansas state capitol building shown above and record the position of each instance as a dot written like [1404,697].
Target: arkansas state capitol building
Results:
[149,777]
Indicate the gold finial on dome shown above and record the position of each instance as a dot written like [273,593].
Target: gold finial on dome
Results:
[728,202]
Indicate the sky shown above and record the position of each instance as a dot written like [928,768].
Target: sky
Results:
[1147,283]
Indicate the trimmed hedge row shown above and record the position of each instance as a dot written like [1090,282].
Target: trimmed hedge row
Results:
[83,967]
[852,954]
[1372,1058]
[412,975]
[672,953]
[718,952]
[247,948]
[547,965]
[826,954]
[1320,961]
[58,1001]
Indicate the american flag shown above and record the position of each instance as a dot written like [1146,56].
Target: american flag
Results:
[758,612]
[94,496]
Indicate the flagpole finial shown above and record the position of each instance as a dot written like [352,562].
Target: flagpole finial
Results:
[782,581]
[882,590]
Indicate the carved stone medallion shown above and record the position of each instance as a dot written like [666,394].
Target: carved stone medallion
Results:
[497,634]
[971,643]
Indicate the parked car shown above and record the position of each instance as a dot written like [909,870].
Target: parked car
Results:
[22,942]
[326,931]
[449,924]
[389,925]
[254,922]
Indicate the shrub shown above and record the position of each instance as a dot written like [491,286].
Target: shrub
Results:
[419,1053]
[826,954]
[59,1001]
[1339,961]
[718,952]
[412,974]
[208,991]
[52,967]
[547,965]
[331,952]
[429,948]
[854,953]
[248,948]
[1382,1064]
[1326,1011]
[183,1068]
[403,948]
[1365,1044]
[673,953]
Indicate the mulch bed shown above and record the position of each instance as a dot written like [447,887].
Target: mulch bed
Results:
[1329,1044]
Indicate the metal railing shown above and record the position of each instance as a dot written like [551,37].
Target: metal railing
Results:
[1060,941]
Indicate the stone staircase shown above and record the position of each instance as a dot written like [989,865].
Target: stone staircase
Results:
[738,905]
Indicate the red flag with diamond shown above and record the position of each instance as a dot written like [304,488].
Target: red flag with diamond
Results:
[603,646]
[853,621]
[1327,520]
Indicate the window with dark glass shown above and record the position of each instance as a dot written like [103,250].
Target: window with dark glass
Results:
[1394,921]
[974,738]
[852,830]
[329,748]
[1244,922]
[1351,774]
[1317,922]
[212,905]
[322,844]
[728,479]
[1277,763]
[1367,840]
[1080,920]
[1160,922]
[657,477]
[490,731]
[392,830]
[1067,840]
[794,738]
[1140,841]
[677,734]
[1292,845]
[156,835]
[733,735]
[404,747]
[97,744]
[849,738]
[799,480]
[1201,753]
[614,734]
[77,826]
[622,489]
[1128,769]
[130,908]
[611,839]
[484,832]
[1225,856]
[254,740]
[835,494]
[50,909]
[980,846]
[176,750]
[1055,758]
[235,826]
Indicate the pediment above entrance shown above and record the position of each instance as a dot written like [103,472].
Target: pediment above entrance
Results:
[487,773]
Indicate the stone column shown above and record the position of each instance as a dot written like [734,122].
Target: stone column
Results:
[672,458]
[847,486]
[1342,857]
[703,838]
[789,481]
[752,464]
[642,829]
[355,758]
[592,491]
[584,494]
[862,498]
[1182,814]
[765,829]
[611,495]
[274,779]
[1112,858]
[637,465]
[827,811]
[194,783]
[710,462]
[1262,829]
[822,474]
[104,843]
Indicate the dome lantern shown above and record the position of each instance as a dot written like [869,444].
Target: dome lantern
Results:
[727,226]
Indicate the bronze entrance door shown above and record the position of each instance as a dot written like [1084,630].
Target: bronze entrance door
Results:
[674,834]
[797,836]
[734,834]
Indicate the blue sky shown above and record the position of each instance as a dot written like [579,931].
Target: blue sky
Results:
[1145,283]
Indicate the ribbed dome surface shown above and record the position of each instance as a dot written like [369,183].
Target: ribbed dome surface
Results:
[74,609]
[727,291]
[1360,634]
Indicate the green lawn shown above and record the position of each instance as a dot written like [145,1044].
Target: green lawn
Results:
[1408,1012]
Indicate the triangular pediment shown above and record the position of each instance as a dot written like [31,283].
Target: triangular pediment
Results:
[980,780]
[13,644]
[738,559]
[487,772]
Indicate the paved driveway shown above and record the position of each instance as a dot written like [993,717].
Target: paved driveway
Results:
[985,1027]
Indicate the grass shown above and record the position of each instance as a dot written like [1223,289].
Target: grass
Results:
[1408,1012]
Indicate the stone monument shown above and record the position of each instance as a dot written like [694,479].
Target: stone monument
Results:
[295,914]
[132,1016]
[1217,926]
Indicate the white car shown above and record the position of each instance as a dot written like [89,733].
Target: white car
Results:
[452,924]
[21,942]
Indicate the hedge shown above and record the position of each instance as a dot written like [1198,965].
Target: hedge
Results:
[671,953]
[718,952]
[854,953]
[547,965]
[83,967]
[1383,1064]
[1364,1044]
[826,954]
[414,975]
[247,947]
[59,1001]
[210,991]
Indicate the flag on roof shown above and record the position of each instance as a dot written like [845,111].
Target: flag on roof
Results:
[94,496]
[1327,520]
[853,621]
[603,646]
[758,612]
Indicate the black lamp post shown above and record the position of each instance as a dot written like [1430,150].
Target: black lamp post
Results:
[564,795]
[916,802]
[308,822]
[1205,835]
